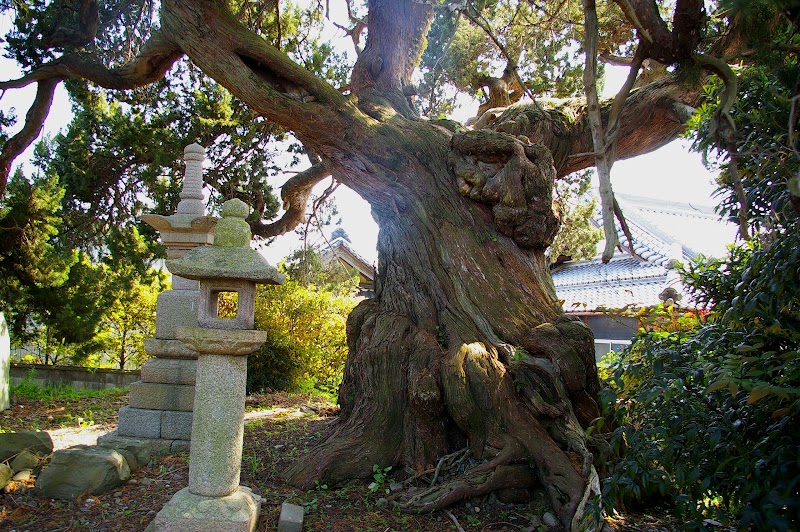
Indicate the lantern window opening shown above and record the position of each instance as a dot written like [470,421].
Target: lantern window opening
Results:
[225,304]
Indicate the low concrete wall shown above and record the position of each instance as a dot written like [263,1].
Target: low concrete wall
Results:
[77,376]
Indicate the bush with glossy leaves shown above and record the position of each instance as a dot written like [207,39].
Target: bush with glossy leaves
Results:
[706,419]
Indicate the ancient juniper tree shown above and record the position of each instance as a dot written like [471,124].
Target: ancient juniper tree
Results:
[464,345]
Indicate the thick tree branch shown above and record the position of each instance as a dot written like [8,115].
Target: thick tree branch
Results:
[661,44]
[396,32]
[652,116]
[151,64]
[254,71]
[511,73]
[34,121]
[294,194]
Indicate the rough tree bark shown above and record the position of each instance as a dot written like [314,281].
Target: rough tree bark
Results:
[465,345]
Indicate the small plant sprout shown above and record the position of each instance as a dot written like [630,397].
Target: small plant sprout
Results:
[253,462]
[381,476]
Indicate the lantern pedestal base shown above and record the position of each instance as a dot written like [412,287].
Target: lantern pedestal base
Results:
[187,512]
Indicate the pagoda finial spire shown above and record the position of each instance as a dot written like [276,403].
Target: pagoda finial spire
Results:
[192,193]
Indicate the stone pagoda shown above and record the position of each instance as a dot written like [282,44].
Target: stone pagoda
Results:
[160,405]
[214,500]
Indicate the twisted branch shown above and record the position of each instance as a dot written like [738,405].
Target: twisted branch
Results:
[294,194]
[34,121]
[154,59]
[511,64]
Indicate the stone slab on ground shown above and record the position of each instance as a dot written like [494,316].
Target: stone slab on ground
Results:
[12,443]
[140,450]
[187,512]
[170,370]
[155,445]
[291,519]
[26,460]
[158,396]
[82,470]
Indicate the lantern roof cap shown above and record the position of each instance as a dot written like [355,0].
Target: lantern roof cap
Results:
[230,257]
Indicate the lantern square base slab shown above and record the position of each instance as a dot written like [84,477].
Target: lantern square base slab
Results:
[187,512]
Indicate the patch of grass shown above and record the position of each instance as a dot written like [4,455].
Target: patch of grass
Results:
[28,389]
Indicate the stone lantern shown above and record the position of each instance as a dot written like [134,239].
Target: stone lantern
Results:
[214,500]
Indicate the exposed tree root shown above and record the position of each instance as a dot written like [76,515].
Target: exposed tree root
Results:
[472,484]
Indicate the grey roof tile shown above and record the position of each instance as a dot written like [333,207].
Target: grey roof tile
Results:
[659,230]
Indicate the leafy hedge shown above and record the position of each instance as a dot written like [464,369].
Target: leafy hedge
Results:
[307,346]
[708,419]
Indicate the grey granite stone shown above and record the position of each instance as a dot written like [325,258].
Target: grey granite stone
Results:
[220,262]
[175,308]
[218,428]
[139,422]
[291,519]
[222,342]
[176,425]
[180,446]
[208,303]
[160,347]
[169,370]
[158,396]
[188,512]
[182,283]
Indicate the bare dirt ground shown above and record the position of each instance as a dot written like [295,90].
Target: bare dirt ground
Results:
[280,429]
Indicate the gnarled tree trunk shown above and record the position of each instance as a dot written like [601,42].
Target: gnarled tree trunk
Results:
[465,344]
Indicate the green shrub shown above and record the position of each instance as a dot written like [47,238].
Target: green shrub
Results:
[307,345]
[707,418]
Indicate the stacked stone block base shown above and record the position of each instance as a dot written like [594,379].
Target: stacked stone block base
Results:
[154,424]
[154,445]
[160,405]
